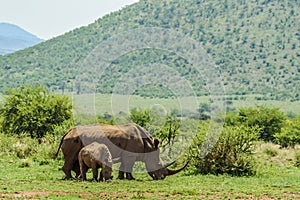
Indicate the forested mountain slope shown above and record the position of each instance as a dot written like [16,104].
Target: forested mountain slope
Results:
[255,44]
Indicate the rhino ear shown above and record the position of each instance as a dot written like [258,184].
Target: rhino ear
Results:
[156,143]
[105,161]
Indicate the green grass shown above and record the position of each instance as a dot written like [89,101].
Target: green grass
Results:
[285,106]
[113,104]
[34,179]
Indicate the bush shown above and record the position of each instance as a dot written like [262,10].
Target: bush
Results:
[232,154]
[33,111]
[269,120]
[27,147]
[17,147]
[289,135]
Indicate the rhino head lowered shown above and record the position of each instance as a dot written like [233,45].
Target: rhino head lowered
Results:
[127,144]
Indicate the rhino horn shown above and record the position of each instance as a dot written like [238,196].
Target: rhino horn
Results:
[169,164]
[172,172]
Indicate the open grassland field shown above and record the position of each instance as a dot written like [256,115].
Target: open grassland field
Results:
[113,104]
[38,178]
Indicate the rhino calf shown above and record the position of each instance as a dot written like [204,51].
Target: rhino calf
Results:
[95,156]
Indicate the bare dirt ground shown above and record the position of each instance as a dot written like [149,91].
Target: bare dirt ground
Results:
[29,194]
[32,195]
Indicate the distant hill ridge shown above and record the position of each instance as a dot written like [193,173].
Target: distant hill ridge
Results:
[13,38]
[255,44]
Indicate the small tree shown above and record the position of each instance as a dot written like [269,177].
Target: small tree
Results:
[169,131]
[166,132]
[33,111]
[140,117]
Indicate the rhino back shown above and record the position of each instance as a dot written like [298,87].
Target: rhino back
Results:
[148,141]
[99,152]
[129,137]
[141,141]
[111,136]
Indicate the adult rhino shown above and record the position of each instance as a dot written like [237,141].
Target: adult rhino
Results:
[127,144]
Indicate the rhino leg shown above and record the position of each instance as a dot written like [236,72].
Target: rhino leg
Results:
[101,176]
[95,171]
[71,160]
[83,168]
[127,166]
[121,175]
[83,172]
[68,166]
[76,168]
[129,176]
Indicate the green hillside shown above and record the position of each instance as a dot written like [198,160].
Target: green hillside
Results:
[255,44]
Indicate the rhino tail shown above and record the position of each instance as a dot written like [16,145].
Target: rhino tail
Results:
[61,141]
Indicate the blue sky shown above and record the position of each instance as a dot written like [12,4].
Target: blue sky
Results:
[50,18]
